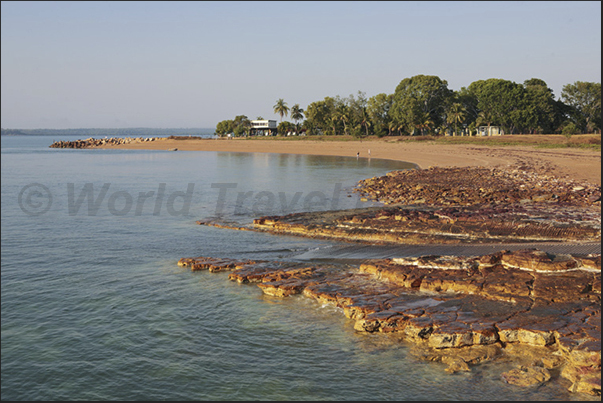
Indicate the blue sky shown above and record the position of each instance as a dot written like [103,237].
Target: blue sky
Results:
[192,64]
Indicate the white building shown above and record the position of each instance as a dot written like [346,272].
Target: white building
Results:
[263,127]
[490,131]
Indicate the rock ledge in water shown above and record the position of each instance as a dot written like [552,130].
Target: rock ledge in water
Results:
[543,310]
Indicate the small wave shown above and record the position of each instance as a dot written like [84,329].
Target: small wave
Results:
[277,250]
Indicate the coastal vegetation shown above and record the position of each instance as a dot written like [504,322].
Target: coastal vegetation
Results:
[423,105]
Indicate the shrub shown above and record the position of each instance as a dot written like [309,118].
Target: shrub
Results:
[570,129]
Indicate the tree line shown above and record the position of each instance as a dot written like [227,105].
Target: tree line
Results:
[423,104]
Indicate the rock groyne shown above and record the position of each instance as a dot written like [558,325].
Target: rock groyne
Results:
[92,142]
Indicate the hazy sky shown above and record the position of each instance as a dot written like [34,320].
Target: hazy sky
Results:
[192,64]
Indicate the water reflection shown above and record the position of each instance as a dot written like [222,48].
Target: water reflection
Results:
[254,184]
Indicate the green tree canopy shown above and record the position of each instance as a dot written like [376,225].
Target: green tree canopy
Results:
[423,122]
[419,95]
[241,125]
[423,103]
[585,100]
[542,111]
[378,108]
[456,114]
[501,102]
[319,116]
[224,127]
[342,113]
[284,128]
[469,102]
[365,121]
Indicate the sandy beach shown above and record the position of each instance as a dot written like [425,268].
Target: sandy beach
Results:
[572,163]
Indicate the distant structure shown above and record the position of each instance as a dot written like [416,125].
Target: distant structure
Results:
[263,128]
[490,131]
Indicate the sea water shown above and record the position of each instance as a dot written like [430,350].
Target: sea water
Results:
[94,305]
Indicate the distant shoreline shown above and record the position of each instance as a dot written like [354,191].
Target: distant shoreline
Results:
[100,132]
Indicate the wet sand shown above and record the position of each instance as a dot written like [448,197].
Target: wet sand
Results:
[577,164]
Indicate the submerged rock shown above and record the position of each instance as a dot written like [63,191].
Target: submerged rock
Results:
[527,376]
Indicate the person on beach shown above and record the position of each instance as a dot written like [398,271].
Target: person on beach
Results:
[358,154]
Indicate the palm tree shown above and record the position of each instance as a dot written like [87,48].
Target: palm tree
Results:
[424,122]
[365,121]
[485,117]
[456,114]
[334,120]
[297,114]
[281,108]
[342,113]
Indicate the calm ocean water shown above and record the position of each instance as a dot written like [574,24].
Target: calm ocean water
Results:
[95,307]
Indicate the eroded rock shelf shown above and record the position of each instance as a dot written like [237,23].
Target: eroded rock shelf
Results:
[539,309]
[453,206]
[543,310]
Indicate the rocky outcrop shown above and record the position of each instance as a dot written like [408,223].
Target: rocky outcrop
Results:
[543,310]
[540,309]
[450,225]
[476,185]
[457,205]
[213,264]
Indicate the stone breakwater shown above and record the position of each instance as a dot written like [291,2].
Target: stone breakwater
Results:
[92,142]
[543,311]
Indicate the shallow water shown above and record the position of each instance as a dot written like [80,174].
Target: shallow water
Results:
[95,307]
